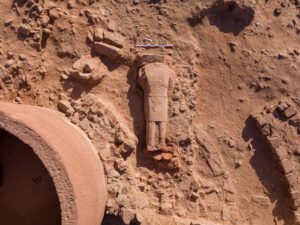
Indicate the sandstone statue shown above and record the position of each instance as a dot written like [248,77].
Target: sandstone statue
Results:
[156,80]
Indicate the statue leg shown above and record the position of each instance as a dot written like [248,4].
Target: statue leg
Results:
[162,132]
[150,135]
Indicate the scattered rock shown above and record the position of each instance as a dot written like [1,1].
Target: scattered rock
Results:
[237,164]
[127,215]
[281,56]
[23,31]
[42,71]
[296,101]
[18,100]
[195,185]
[9,63]
[46,31]
[129,146]
[193,197]
[226,175]
[8,21]
[183,107]
[166,208]
[93,17]
[111,26]
[63,106]
[295,121]
[139,217]
[135,2]
[282,105]
[120,137]
[231,143]
[22,57]
[277,11]
[106,153]
[85,124]
[232,46]
[4,74]
[71,4]
[289,112]
[121,165]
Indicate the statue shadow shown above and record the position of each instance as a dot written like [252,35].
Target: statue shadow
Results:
[268,172]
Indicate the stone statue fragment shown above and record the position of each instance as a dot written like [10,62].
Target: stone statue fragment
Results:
[156,80]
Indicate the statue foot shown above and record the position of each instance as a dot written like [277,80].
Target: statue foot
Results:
[151,148]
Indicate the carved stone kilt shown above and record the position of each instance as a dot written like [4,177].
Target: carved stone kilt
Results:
[156,108]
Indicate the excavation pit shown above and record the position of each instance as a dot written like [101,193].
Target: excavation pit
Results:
[28,194]
[50,172]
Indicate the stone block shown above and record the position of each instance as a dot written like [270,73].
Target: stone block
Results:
[292,179]
[166,208]
[216,164]
[266,130]
[63,106]
[113,39]
[297,218]
[98,34]
[228,186]
[107,50]
[260,199]
[127,215]
[281,152]
[229,197]
[213,207]
[289,112]
[193,197]
[195,185]
[295,194]
[295,121]
[260,119]
[287,166]
[282,105]
[85,124]
[204,140]
[129,146]
[274,142]
[143,59]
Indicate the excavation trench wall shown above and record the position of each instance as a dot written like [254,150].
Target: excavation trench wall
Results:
[68,156]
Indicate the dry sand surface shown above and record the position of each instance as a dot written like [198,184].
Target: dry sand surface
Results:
[234,61]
